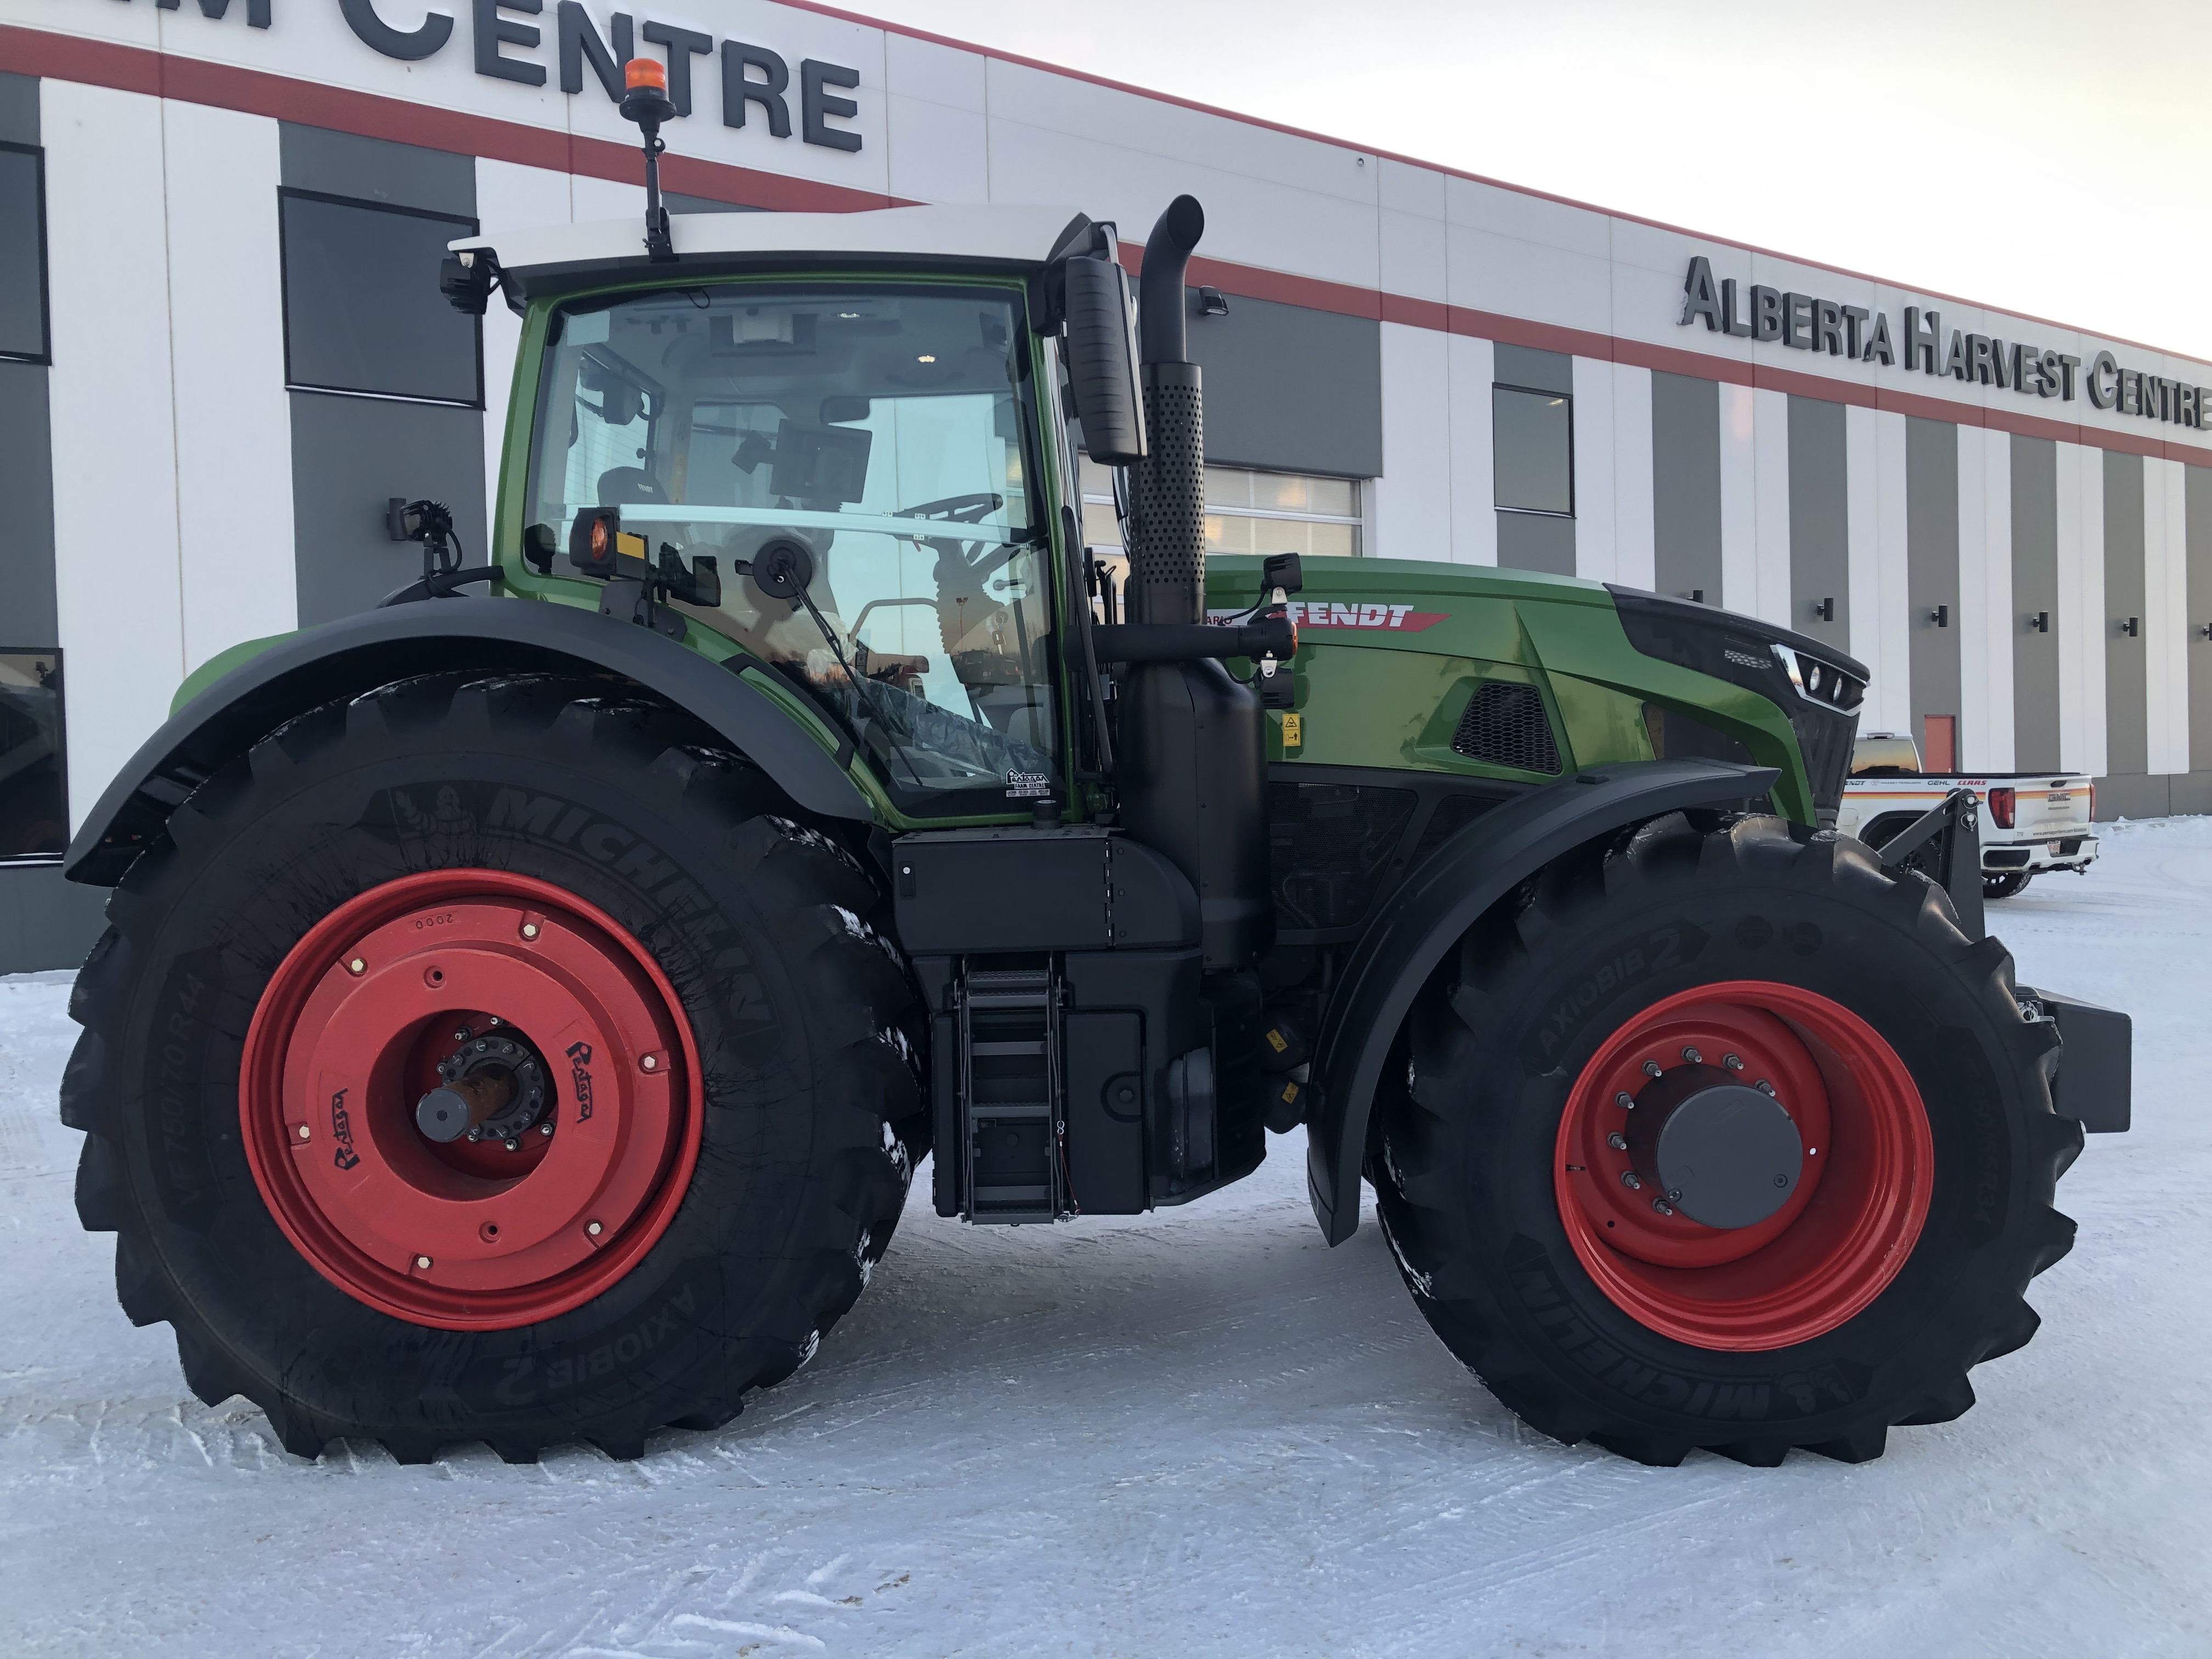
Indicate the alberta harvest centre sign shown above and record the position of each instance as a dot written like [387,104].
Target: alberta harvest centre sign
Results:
[506,45]
[1809,322]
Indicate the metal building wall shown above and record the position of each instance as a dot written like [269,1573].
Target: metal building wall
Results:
[2035,594]
[1820,523]
[1931,508]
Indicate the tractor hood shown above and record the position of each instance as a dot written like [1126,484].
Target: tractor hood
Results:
[1392,653]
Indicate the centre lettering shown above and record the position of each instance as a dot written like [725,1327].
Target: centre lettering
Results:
[752,77]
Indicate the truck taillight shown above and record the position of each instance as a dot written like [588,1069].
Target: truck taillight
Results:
[2092,803]
[2001,807]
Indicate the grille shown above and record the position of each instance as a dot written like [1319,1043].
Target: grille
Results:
[1826,741]
[1506,726]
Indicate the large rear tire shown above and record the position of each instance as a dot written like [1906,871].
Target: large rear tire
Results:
[534,868]
[1676,968]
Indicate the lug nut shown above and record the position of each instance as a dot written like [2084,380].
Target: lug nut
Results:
[530,930]
[1618,1141]
[356,966]
[544,1128]
[1662,1206]
[496,1020]
[1626,1100]
[1733,1063]
[422,1264]
[592,1228]
[463,1035]
[1765,1088]
[1651,1068]
[514,1145]
[651,1062]
[1631,1180]
[1693,1056]
[306,1133]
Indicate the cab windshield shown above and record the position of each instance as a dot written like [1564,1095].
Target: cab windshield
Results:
[882,428]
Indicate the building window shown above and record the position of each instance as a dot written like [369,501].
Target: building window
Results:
[1533,451]
[34,799]
[1248,512]
[362,314]
[22,253]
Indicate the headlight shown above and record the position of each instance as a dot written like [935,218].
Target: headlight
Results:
[1817,688]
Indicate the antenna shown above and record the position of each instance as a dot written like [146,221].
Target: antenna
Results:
[645,100]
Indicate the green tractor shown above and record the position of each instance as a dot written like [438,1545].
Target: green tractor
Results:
[522,1014]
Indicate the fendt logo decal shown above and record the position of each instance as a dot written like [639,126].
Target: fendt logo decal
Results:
[1361,614]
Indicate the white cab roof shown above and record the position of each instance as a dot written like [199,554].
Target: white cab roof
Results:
[1022,234]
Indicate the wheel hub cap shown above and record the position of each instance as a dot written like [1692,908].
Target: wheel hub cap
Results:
[1722,1152]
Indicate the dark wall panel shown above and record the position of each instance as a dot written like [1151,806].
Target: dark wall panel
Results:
[2196,492]
[1539,371]
[1820,514]
[377,170]
[26,524]
[1931,572]
[350,455]
[1536,541]
[2035,589]
[2127,715]
[1290,389]
[1686,484]
[19,109]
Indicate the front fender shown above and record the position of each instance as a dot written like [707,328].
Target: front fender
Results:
[347,658]
[1437,904]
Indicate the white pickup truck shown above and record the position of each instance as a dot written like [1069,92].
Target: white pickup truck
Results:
[2031,822]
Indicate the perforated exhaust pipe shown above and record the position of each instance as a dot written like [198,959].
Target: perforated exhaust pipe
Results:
[1167,489]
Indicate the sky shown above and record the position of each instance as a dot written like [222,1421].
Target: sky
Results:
[2050,157]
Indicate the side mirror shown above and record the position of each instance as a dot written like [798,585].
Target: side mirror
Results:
[1102,360]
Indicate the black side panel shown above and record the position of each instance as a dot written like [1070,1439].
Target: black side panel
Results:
[1438,902]
[1193,786]
[347,658]
[987,892]
[1106,1111]
[1162,988]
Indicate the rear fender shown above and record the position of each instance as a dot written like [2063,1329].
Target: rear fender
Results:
[1435,907]
[347,658]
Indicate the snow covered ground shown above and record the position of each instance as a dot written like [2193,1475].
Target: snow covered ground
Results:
[1199,1433]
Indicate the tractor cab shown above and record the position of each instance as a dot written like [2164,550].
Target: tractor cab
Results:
[854,475]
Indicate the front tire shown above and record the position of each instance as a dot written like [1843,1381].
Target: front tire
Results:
[2010,885]
[720,1114]
[1916,1086]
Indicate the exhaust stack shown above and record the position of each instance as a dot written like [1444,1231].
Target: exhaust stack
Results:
[1167,488]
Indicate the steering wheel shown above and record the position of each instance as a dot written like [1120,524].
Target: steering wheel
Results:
[955,510]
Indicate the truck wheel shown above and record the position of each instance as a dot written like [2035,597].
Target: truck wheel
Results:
[2012,882]
[1725,1139]
[532,909]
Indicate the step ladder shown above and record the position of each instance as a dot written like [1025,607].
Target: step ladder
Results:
[1011,1121]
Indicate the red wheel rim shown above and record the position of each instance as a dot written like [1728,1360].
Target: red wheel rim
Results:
[1832,1247]
[461,1237]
